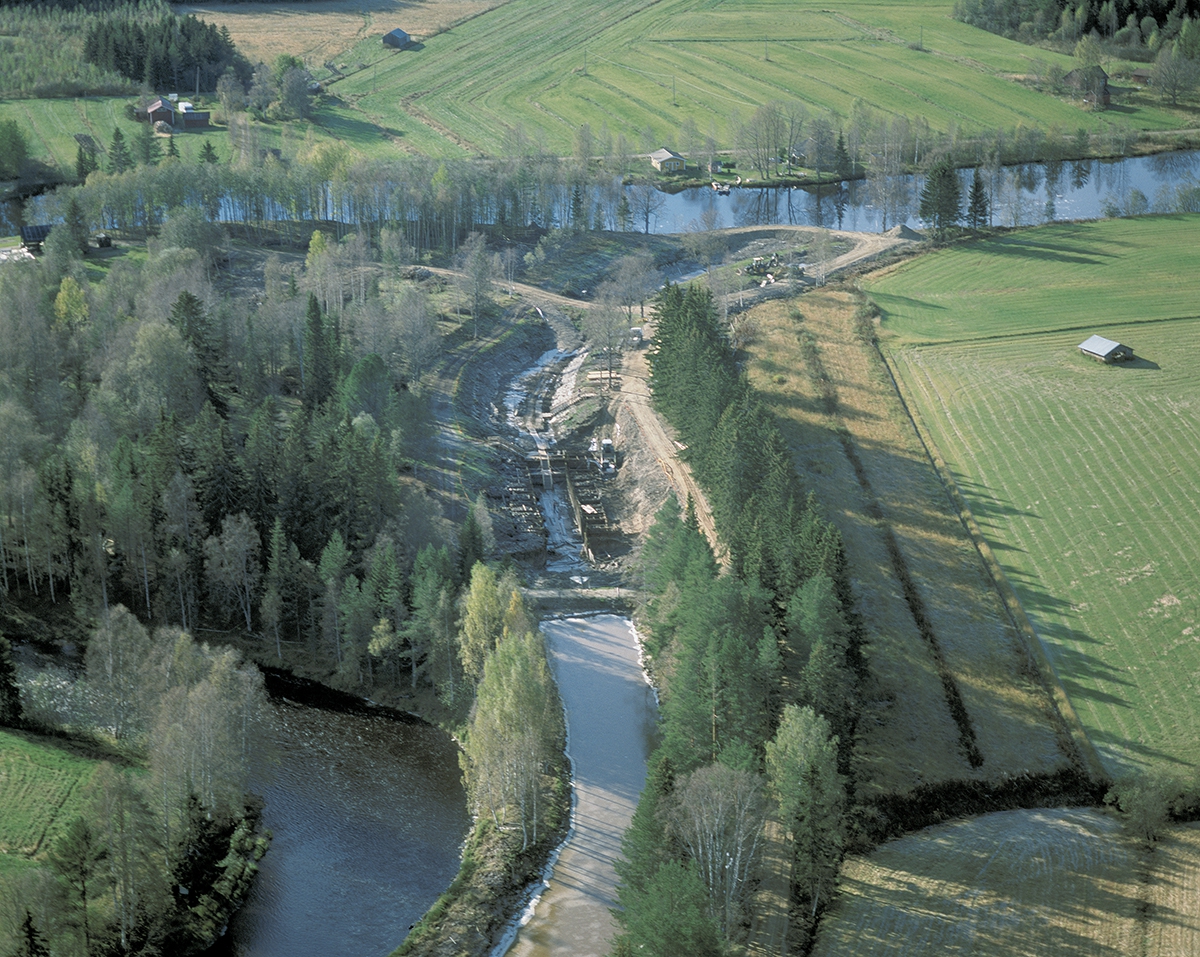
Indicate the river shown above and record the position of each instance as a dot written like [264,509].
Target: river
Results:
[611,715]
[368,815]
[366,807]
[1019,196]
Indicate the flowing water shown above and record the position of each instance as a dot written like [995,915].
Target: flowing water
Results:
[368,815]
[611,729]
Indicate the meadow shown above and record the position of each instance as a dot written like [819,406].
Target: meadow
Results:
[1063,882]
[874,478]
[41,790]
[1080,475]
[641,69]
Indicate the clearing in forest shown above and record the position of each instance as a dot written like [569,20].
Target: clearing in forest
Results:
[41,789]
[857,449]
[1081,475]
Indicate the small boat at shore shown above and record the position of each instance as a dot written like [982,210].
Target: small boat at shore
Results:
[721,189]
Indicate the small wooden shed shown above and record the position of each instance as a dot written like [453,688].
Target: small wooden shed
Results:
[667,161]
[32,237]
[1105,350]
[1092,82]
[396,38]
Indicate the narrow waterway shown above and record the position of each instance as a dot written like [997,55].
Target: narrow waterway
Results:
[611,726]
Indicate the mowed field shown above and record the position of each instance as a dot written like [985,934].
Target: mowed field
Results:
[1081,475]
[41,790]
[650,64]
[907,735]
[1065,882]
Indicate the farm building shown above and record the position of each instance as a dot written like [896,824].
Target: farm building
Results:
[1092,82]
[667,161]
[32,237]
[1105,350]
[1140,76]
[397,38]
[181,116]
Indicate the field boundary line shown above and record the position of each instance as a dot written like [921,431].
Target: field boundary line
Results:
[1085,753]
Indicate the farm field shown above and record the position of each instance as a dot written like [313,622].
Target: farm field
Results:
[1063,882]
[650,65]
[321,30]
[41,788]
[1080,475]
[907,733]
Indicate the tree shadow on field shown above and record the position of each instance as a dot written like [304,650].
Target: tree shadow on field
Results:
[1049,251]
[1037,886]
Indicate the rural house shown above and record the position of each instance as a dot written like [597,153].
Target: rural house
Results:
[1092,82]
[181,116]
[397,38]
[667,161]
[1105,350]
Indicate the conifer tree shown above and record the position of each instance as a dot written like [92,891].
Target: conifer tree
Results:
[119,159]
[941,199]
[10,693]
[318,365]
[978,208]
[207,153]
[77,858]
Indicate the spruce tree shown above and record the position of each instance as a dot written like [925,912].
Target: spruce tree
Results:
[318,369]
[85,163]
[10,694]
[172,149]
[119,158]
[77,858]
[978,212]
[207,153]
[941,199]
[841,157]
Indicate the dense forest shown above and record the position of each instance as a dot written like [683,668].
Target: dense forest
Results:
[1128,23]
[171,52]
[109,48]
[758,665]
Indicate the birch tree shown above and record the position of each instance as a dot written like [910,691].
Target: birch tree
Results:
[719,813]
[231,564]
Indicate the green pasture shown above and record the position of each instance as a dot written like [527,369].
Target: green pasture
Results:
[649,66]
[41,790]
[1082,475]
[1062,276]
[50,126]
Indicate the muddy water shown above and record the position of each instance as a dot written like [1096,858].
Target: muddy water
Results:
[611,726]
[368,815]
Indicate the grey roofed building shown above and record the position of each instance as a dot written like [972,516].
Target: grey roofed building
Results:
[667,160]
[396,38]
[1105,350]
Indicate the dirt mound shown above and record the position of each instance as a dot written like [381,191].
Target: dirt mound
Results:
[903,232]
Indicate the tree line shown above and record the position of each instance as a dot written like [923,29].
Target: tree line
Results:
[758,665]
[170,51]
[165,846]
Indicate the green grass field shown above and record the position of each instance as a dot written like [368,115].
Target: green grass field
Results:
[1081,475]
[651,65]
[41,790]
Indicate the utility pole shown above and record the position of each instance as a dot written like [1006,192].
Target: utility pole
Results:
[673,103]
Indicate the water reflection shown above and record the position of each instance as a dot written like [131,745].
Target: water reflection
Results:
[1020,195]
